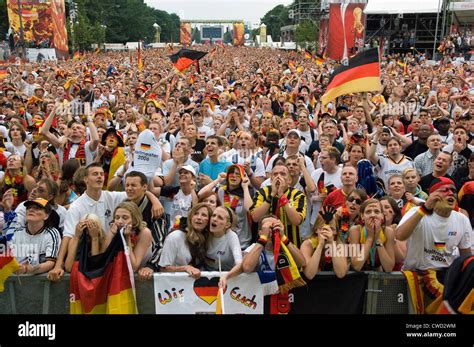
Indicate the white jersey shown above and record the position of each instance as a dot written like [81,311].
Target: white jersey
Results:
[388,167]
[180,206]
[227,248]
[307,160]
[175,250]
[435,242]
[103,208]
[36,249]
[256,163]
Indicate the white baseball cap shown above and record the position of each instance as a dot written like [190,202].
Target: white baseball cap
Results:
[188,168]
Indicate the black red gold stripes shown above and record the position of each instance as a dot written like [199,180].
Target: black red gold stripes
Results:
[360,75]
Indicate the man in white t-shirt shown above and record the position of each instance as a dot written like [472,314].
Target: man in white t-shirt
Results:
[246,155]
[293,147]
[202,130]
[435,233]
[326,179]
[393,163]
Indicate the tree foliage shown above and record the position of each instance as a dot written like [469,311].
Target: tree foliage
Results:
[275,19]
[306,34]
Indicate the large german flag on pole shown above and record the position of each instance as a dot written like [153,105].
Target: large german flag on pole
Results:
[362,74]
[103,284]
[185,57]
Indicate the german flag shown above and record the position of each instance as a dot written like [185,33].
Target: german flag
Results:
[185,57]
[76,56]
[3,73]
[8,265]
[291,63]
[362,74]
[102,284]
[319,59]
[308,54]
[145,146]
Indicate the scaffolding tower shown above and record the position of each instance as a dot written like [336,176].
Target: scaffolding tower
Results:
[305,10]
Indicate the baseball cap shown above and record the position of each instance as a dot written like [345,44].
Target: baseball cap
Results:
[41,203]
[293,131]
[188,168]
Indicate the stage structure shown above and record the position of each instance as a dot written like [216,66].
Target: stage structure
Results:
[212,31]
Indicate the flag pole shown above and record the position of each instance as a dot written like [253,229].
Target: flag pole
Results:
[221,291]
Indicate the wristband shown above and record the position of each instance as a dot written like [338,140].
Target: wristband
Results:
[424,210]
[262,240]
[283,200]
[285,240]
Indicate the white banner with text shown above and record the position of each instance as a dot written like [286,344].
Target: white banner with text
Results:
[177,293]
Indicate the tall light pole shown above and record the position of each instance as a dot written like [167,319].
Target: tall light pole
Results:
[436,30]
[22,36]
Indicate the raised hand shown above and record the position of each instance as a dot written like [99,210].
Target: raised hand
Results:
[327,212]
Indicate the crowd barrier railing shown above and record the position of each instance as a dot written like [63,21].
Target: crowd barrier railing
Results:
[364,293]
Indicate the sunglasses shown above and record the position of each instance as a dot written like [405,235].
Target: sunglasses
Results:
[356,200]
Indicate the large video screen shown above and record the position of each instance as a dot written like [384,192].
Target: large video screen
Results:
[208,32]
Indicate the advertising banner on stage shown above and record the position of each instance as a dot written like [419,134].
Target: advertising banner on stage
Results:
[44,24]
[342,44]
[177,293]
[238,34]
[185,34]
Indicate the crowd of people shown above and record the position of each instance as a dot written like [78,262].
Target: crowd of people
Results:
[201,170]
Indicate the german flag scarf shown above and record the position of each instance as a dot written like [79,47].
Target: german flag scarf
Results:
[113,163]
[287,275]
[104,283]
[80,153]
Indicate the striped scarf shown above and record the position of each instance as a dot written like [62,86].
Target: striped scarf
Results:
[80,153]
[287,275]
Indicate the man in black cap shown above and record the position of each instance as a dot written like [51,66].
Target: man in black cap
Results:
[442,125]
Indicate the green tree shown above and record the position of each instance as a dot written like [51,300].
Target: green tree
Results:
[85,33]
[306,34]
[3,19]
[275,19]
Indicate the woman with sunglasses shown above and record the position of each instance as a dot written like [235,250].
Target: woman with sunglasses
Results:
[348,215]
[376,241]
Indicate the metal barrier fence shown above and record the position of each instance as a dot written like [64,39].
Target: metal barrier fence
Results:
[386,293]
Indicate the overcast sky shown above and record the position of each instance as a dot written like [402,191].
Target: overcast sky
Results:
[247,10]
